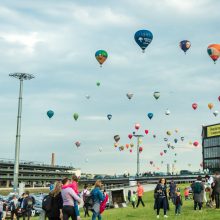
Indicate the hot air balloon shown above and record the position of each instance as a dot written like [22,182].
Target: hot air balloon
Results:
[169,133]
[140,149]
[98,83]
[195,143]
[175,140]
[165,151]
[100,149]
[117,138]
[165,139]
[175,154]
[161,162]
[127,146]
[132,145]
[130,136]
[137,126]
[88,96]
[151,162]
[214,51]
[219,98]
[185,45]
[161,153]
[172,147]
[115,144]
[175,161]
[50,114]
[167,112]
[215,113]
[146,131]
[156,95]
[109,116]
[140,141]
[150,115]
[129,95]
[78,144]
[210,106]
[101,56]
[176,130]
[154,136]
[130,150]
[75,116]
[143,38]
[182,138]
[194,106]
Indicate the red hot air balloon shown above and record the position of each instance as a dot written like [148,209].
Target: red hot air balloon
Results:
[194,106]
[161,153]
[130,150]
[146,131]
[130,136]
[137,126]
[195,143]
[140,149]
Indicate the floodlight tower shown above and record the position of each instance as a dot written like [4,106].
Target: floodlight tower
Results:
[21,77]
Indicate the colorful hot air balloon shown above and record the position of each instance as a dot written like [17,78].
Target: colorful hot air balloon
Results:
[127,146]
[156,95]
[215,113]
[50,114]
[194,106]
[117,138]
[77,144]
[165,151]
[109,116]
[143,38]
[175,140]
[169,133]
[150,115]
[214,51]
[132,145]
[161,153]
[75,116]
[210,106]
[146,131]
[129,95]
[130,136]
[195,143]
[137,126]
[140,149]
[115,144]
[185,45]
[130,150]
[101,56]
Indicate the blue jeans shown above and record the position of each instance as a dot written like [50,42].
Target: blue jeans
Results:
[178,209]
[96,215]
[1,213]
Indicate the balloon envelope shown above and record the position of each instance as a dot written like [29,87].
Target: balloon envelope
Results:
[167,112]
[109,116]
[130,136]
[129,95]
[210,105]
[146,131]
[140,149]
[194,106]
[78,144]
[116,138]
[101,56]
[50,113]
[143,38]
[75,116]
[156,95]
[150,115]
[195,143]
[161,153]
[219,98]
[215,113]
[137,126]
[214,51]
[185,45]
[98,83]
[175,140]
[182,138]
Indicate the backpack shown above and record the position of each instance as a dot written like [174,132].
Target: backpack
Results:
[197,188]
[89,201]
[47,203]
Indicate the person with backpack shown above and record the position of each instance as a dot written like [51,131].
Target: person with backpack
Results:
[85,194]
[198,190]
[97,197]
[28,204]
[217,189]
[14,207]
[52,204]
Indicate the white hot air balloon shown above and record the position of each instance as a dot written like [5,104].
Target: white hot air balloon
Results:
[167,112]
[100,149]
[156,95]
[129,95]
[215,113]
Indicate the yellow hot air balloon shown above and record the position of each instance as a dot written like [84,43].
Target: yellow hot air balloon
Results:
[169,133]
[210,105]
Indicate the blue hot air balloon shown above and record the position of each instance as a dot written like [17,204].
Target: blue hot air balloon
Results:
[150,115]
[143,38]
[50,113]
[109,116]
[185,45]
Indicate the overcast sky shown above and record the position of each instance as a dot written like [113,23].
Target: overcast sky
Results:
[56,41]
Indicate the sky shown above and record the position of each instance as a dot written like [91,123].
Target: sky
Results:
[57,40]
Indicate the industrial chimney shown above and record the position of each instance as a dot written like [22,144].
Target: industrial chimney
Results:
[53,159]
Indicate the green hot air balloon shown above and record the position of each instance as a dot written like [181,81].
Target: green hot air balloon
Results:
[75,116]
[98,83]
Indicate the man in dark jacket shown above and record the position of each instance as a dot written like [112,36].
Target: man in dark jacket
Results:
[217,189]
[28,204]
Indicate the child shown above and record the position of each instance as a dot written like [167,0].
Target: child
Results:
[186,193]
[74,186]
[133,199]
[178,202]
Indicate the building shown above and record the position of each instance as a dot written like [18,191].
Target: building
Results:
[211,147]
[34,174]
[168,169]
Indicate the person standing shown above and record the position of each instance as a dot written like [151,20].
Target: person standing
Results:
[1,209]
[172,190]
[198,190]
[27,203]
[217,189]
[97,197]
[85,194]
[129,195]
[161,201]
[178,202]
[14,207]
[56,203]
[140,193]
[133,199]
[68,196]
[208,188]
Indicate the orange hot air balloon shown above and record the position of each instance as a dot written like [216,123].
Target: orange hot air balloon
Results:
[214,51]
[210,105]
[127,146]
